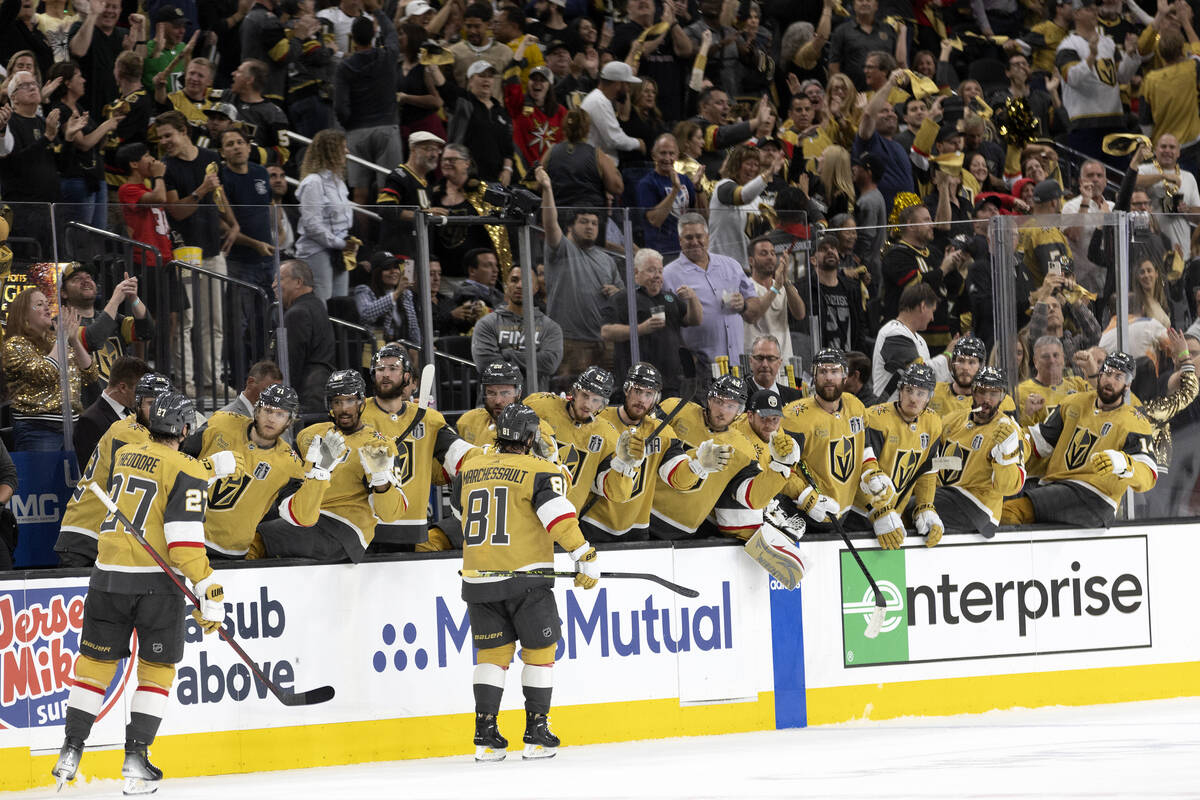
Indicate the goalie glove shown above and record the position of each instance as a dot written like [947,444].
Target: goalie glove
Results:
[928,524]
[1112,462]
[631,450]
[224,464]
[889,528]
[325,453]
[784,453]
[791,524]
[377,464]
[210,614]
[876,484]
[710,457]
[818,507]
[587,571]
[1006,447]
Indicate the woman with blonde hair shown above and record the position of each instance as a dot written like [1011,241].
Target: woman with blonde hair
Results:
[833,189]
[735,203]
[32,369]
[326,215]
[843,110]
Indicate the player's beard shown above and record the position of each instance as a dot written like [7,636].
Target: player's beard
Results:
[633,415]
[389,391]
[1108,397]
[986,414]
[349,427]
[258,428]
[959,382]
[829,391]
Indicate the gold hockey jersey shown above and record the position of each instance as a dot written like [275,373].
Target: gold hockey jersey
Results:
[164,492]
[1077,429]
[968,467]
[80,527]
[273,476]
[945,402]
[513,508]
[832,446]
[584,449]
[349,502]
[478,428]
[665,457]
[428,444]
[905,452]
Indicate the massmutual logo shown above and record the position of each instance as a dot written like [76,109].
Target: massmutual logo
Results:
[999,599]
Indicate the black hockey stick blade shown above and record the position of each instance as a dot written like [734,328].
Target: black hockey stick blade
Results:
[319,695]
[547,573]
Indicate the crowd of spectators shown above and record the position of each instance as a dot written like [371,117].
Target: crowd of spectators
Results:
[768,168]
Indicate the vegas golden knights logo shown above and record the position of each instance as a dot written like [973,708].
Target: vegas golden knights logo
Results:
[1080,448]
[841,458]
[949,477]
[227,491]
[572,459]
[404,460]
[904,473]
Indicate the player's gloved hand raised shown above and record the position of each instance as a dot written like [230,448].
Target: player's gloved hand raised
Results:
[546,448]
[587,571]
[325,453]
[1112,462]
[1006,446]
[211,612]
[224,464]
[784,452]
[889,528]
[818,506]
[876,484]
[630,451]
[377,464]
[710,457]
[929,524]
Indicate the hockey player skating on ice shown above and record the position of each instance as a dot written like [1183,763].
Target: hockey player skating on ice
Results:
[905,437]
[982,459]
[166,490]
[363,489]
[513,507]
[1098,445]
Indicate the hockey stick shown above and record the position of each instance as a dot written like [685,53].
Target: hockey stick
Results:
[549,573]
[309,698]
[425,394]
[595,498]
[875,623]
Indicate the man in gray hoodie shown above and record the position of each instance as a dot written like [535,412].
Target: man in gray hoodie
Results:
[500,336]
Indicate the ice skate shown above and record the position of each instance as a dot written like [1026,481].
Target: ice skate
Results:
[141,777]
[68,761]
[489,744]
[539,741]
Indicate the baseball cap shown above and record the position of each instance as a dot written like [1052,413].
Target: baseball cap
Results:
[169,14]
[948,131]
[225,109]
[555,44]
[765,403]
[618,71]
[871,164]
[543,72]
[479,67]
[1046,191]
[419,137]
[384,260]
[416,9]
[75,267]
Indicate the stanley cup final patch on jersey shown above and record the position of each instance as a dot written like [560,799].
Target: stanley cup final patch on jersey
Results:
[1104,429]
[418,431]
[262,471]
[977,442]
[595,443]
[924,441]
[856,424]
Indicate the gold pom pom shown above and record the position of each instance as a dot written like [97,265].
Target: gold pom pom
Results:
[902,201]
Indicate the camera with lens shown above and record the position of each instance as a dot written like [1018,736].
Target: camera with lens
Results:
[1139,226]
[513,202]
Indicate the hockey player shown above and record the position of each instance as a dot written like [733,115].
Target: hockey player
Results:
[597,457]
[273,474]
[502,384]
[423,441]
[829,428]
[982,459]
[666,457]
[513,509]
[165,490]
[905,437]
[1098,445]
[734,488]
[363,491]
[966,359]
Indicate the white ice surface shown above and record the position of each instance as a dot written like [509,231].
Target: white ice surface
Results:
[1135,750]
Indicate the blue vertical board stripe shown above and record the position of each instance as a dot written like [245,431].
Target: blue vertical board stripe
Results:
[787,644]
[44,485]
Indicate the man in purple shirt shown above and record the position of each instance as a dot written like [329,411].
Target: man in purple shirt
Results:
[725,292]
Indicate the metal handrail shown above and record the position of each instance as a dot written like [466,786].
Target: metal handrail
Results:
[365,331]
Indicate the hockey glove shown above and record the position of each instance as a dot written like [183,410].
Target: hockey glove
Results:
[784,453]
[224,464]
[587,571]
[377,464]
[876,484]
[1112,462]
[325,453]
[929,524]
[818,507]
[211,613]
[889,528]
[547,448]
[630,451]
[1006,446]
[710,457]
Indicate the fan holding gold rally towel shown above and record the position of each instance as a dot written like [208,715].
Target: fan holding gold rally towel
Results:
[326,215]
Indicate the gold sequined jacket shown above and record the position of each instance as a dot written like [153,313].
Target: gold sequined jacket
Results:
[1160,410]
[33,380]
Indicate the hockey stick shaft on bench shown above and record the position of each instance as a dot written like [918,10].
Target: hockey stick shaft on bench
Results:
[549,573]
[311,697]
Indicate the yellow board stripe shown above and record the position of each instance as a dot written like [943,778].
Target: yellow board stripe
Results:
[935,698]
[395,739]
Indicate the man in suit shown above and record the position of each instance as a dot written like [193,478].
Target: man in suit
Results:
[765,361]
[114,403]
[261,375]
